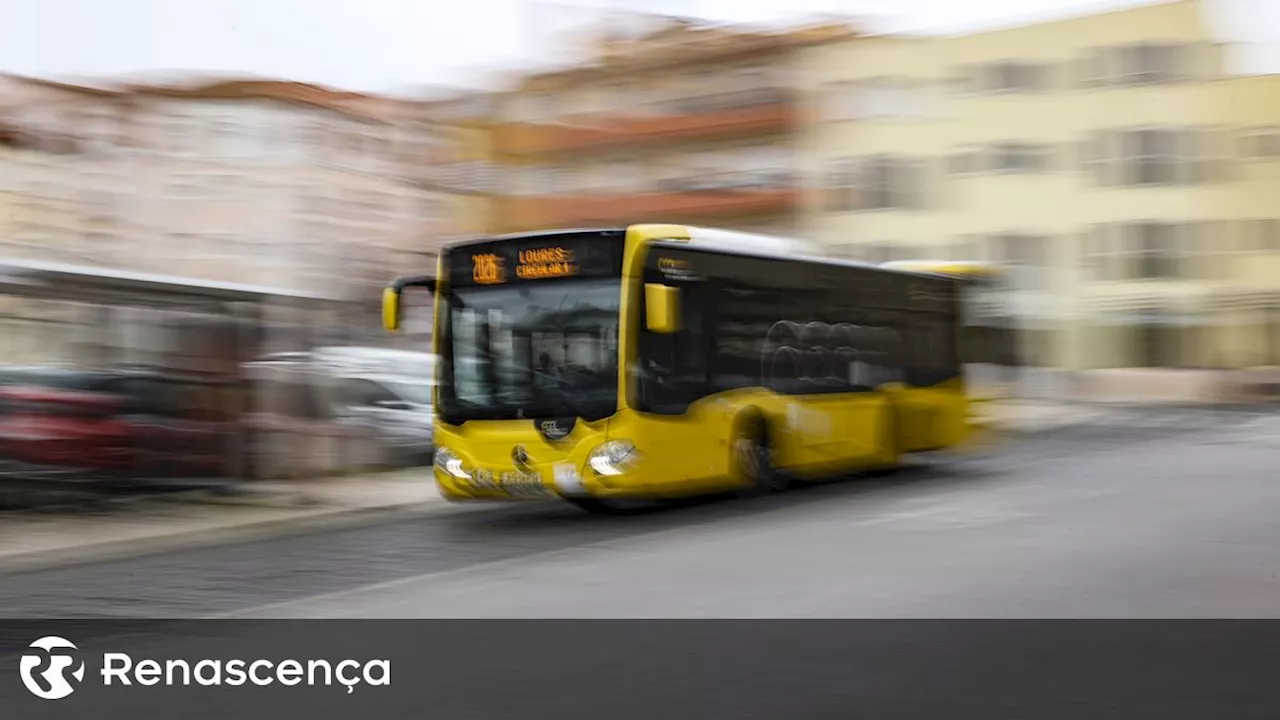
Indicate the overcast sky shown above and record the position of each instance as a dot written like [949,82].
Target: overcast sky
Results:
[386,44]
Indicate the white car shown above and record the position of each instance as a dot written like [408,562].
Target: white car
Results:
[396,409]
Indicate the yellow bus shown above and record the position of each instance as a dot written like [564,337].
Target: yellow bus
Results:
[661,361]
[990,343]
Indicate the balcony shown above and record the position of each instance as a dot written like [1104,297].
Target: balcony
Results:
[686,119]
[589,209]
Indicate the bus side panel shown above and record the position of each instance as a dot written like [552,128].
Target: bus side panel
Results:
[838,432]
[932,405]
[932,418]
[776,337]
[852,341]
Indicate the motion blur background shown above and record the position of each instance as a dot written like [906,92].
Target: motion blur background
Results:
[200,202]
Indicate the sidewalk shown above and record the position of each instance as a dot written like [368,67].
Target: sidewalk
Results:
[1018,416]
[1025,415]
[34,540]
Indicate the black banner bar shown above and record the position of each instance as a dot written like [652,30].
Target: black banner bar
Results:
[648,669]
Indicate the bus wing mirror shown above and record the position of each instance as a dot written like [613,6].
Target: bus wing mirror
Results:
[391,297]
[661,308]
[391,309]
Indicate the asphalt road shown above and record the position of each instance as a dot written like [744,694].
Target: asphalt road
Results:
[1094,521]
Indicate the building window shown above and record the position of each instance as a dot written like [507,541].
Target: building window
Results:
[879,184]
[1151,157]
[1092,251]
[1018,157]
[888,182]
[1093,67]
[1271,235]
[965,161]
[1136,64]
[1260,144]
[1026,255]
[1141,250]
[1157,251]
[1150,63]
[1260,236]
[1013,76]
[841,186]
[1092,156]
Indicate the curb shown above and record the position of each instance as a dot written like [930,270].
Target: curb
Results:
[210,537]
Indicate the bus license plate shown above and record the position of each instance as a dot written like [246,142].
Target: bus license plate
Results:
[522,483]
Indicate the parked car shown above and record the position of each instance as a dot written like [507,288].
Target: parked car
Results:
[126,423]
[366,361]
[396,409]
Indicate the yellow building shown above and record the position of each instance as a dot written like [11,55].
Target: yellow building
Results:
[688,123]
[1110,158]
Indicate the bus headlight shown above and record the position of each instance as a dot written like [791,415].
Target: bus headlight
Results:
[449,462]
[613,458]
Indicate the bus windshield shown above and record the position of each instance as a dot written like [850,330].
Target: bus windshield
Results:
[545,349]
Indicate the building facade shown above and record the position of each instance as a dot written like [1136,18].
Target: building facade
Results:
[273,183]
[466,170]
[685,124]
[1127,179]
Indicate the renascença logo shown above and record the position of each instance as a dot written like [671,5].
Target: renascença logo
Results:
[51,683]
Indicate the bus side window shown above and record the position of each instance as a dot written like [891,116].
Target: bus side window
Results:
[931,353]
[673,372]
[891,347]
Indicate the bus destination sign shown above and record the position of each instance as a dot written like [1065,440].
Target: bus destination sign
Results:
[503,262]
[488,269]
[539,264]
[553,262]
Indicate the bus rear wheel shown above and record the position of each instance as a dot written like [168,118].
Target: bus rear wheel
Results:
[753,459]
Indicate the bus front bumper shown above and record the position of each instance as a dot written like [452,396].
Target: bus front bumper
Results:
[561,480]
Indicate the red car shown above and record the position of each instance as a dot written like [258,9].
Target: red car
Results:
[118,424]
[52,424]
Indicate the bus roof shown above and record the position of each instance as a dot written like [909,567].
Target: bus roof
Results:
[745,242]
[530,235]
[945,267]
[749,244]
